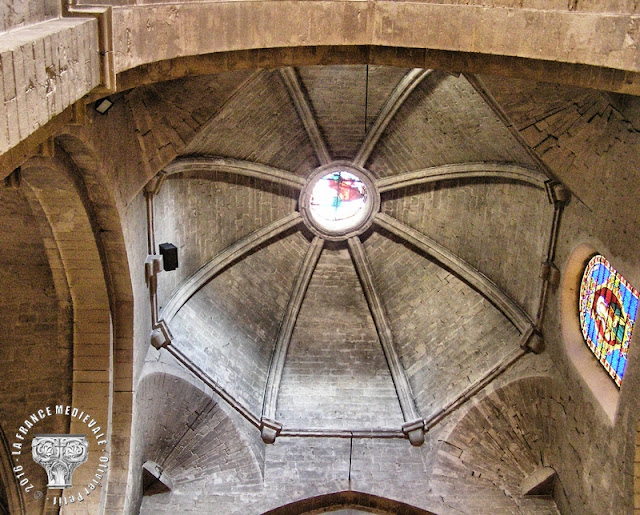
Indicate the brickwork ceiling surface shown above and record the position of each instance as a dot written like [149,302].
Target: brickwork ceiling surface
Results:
[375,260]
[446,331]
[366,334]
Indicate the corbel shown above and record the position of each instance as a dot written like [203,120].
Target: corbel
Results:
[551,273]
[535,343]
[557,193]
[414,431]
[269,429]
[161,336]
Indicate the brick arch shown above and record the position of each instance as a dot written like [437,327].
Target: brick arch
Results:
[345,500]
[190,434]
[103,207]
[60,188]
[501,439]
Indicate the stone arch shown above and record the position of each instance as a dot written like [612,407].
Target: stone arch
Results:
[60,191]
[372,33]
[345,500]
[179,372]
[214,442]
[499,441]
[107,227]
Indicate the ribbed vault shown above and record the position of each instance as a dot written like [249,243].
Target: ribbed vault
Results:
[373,335]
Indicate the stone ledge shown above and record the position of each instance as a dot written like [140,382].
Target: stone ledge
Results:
[45,68]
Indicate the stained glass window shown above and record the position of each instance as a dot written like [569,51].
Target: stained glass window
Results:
[608,310]
[338,196]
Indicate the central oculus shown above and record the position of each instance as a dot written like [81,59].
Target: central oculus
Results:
[338,201]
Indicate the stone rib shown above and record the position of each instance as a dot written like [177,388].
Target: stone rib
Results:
[286,329]
[402,91]
[398,374]
[234,166]
[471,391]
[464,171]
[199,278]
[461,268]
[489,99]
[212,383]
[307,117]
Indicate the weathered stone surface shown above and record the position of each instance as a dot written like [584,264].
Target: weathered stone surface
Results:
[26,12]
[45,68]
[36,329]
[266,127]
[206,213]
[447,334]
[474,460]
[462,216]
[423,132]
[336,375]
[536,33]
[230,325]
[342,104]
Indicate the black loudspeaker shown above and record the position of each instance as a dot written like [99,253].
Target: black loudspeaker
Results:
[169,256]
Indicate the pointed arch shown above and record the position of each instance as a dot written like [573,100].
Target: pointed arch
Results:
[176,383]
[87,230]
[347,499]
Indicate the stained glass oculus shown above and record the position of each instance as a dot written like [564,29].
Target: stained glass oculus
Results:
[338,197]
[608,311]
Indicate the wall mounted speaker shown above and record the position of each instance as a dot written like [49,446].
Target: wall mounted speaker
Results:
[169,254]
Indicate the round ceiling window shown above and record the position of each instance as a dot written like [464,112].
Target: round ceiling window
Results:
[338,201]
[338,196]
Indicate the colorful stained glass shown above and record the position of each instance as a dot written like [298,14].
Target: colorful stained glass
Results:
[608,311]
[338,196]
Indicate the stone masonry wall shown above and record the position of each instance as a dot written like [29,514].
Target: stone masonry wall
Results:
[19,13]
[36,362]
[300,468]
[44,67]
[230,326]
[336,375]
[447,334]
[344,99]
[444,121]
[135,236]
[203,214]
[499,441]
[591,144]
[588,141]
[195,438]
[495,227]
[265,127]
[621,6]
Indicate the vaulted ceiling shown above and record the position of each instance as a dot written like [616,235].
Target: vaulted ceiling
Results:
[369,334]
